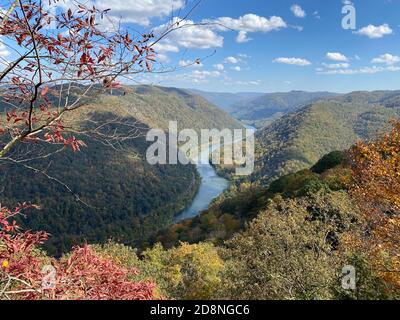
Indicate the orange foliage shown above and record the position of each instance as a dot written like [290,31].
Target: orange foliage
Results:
[376,172]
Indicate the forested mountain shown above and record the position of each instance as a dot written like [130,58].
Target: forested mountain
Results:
[115,192]
[261,110]
[235,209]
[226,100]
[299,139]
[156,106]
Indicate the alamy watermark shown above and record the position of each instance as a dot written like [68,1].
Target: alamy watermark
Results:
[186,146]
[349,21]
[349,278]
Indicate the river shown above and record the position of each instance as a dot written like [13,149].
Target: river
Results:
[211,187]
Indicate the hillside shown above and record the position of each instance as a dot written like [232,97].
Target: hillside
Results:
[266,108]
[299,139]
[156,106]
[226,100]
[235,210]
[123,197]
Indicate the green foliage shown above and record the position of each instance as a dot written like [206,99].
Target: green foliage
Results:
[274,105]
[329,161]
[369,286]
[234,209]
[285,252]
[300,139]
[186,272]
[123,197]
[157,106]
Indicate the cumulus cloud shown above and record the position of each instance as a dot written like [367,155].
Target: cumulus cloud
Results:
[387,58]
[200,75]
[237,68]
[232,60]
[161,57]
[336,65]
[4,53]
[293,61]
[375,32]
[188,35]
[252,23]
[219,66]
[363,70]
[247,24]
[130,11]
[249,83]
[336,56]
[242,37]
[190,63]
[140,12]
[298,11]
[165,47]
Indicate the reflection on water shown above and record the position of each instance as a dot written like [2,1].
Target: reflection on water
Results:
[210,188]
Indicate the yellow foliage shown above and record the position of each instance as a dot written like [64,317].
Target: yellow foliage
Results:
[376,172]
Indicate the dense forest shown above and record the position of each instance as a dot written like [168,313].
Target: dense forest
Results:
[121,196]
[299,139]
[289,241]
[84,215]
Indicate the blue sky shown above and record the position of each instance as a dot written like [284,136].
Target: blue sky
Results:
[268,45]
[368,60]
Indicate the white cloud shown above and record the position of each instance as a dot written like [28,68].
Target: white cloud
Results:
[316,15]
[190,63]
[298,11]
[165,47]
[293,61]
[375,32]
[251,23]
[4,53]
[244,56]
[232,60]
[363,70]
[298,28]
[161,57]
[200,75]
[237,68]
[249,83]
[219,66]
[188,35]
[386,59]
[336,56]
[140,12]
[242,37]
[247,24]
[336,65]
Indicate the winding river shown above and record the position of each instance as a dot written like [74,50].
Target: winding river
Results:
[210,188]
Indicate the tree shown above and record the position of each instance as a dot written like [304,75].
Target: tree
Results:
[26,273]
[376,187]
[60,58]
[184,272]
[288,251]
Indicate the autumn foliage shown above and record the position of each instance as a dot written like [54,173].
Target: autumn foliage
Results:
[26,273]
[376,171]
[55,53]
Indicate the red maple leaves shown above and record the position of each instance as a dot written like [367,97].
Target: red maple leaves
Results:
[83,276]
